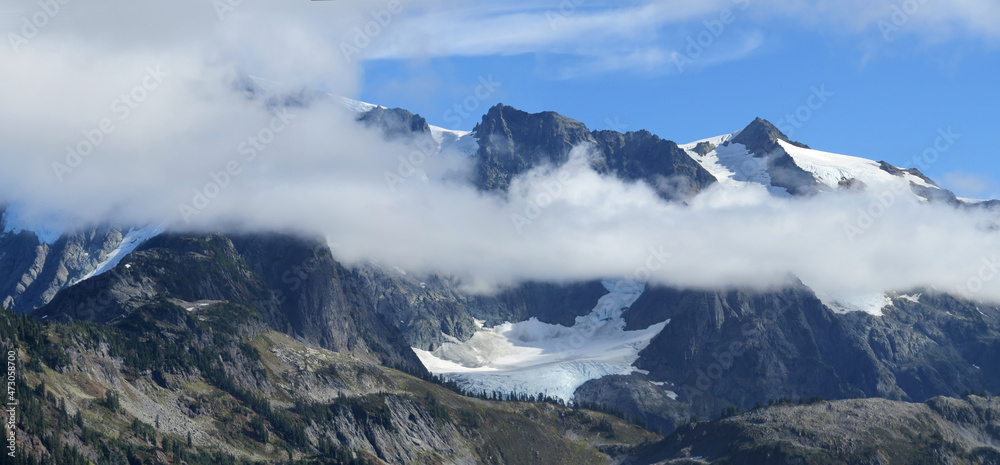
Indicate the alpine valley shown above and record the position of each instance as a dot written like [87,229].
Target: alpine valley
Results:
[139,343]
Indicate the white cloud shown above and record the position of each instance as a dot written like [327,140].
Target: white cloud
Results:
[598,36]
[642,36]
[324,174]
[970,184]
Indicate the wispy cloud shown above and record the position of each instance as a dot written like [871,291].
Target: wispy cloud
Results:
[972,185]
[642,36]
[588,37]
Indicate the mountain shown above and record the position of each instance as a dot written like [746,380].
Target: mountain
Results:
[761,154]
[792,342]
[354,362]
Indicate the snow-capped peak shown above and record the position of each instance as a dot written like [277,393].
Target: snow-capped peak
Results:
[760,154]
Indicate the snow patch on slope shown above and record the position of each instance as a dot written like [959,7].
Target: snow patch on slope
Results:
[533,357]
[733,165]
[132,240]
[356,106]
[462,142]
[872,304]
[831,168]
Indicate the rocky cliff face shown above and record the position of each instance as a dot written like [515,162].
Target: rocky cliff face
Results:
[512,141]
[294,283]
[396,122]
[738,348]
[32,272]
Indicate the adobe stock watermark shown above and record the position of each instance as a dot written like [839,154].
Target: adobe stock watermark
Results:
[365,34]
[615,124]
[986,273]
[424,149]
[224,7]
[795,120]
[714,28]
[250,148]
[297,275]
[656,259]
[885,200]
[750,168]
[411,164]
[723,360]
[31,25]
[560,14]
[123,106]
[551,190]
[10,412]
[901,14]
[485,88]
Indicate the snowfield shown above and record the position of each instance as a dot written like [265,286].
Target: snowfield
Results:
[132,240]
[830,168]
[736,168]
[872,304]
[533,357]
[733,165]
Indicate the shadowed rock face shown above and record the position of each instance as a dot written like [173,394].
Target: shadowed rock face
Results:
[396,122]
[634,396]
[550,303]
[742,347]
[32,272]
[512,142]
[294,283]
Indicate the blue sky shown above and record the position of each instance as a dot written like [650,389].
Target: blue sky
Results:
[616,66]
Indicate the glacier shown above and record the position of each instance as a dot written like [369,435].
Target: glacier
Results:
[532,357]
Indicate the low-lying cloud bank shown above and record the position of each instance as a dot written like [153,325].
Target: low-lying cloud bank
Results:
[143,129]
